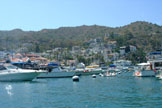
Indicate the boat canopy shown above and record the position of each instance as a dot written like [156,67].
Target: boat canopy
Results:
[143,64]
[53,64]
[92,66]
[112,65]
[155,53]
[22,63]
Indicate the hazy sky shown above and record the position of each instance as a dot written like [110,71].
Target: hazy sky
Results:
[40,14]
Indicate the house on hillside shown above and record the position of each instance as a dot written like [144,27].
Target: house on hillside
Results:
[105,54]
[15,60]
[31,55]
[113,56]
[2,54]
[132,48]
[123,63]
[76,49]
[57,49]
[98,40]
[154,55]
[18,56]
[122,50]
[39,60]
[71,62]
[111,45]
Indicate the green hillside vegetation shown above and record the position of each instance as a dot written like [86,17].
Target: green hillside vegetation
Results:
[144,35]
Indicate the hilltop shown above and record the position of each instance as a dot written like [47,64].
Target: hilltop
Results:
[144,35]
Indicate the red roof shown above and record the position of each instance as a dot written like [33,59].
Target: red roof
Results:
[15,60]
[31,55]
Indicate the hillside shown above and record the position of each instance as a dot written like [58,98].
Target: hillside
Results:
[144,35]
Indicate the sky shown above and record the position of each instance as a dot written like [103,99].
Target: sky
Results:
[51,14]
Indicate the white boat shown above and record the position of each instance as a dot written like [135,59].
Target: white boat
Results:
[89,71]
[159,74]
[101,74]
[123,65]
[144,70]
[57,73]
[149,69]
[158,69]
[110,74]
[9,72]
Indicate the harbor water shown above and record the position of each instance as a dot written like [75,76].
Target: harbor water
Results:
[100,92]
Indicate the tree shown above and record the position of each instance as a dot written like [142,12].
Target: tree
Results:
[81,59]
[128,35]
[137,57]
[37,49]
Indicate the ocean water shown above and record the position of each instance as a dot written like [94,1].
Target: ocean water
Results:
[100,92]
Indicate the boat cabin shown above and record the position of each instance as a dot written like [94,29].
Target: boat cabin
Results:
[7,66]
[144,66]
[156,64]
[151,65]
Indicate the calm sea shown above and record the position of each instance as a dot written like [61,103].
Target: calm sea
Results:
[100,92]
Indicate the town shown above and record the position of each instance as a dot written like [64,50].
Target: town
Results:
[96,52]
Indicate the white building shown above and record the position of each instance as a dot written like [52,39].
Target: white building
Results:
[122,50]
[122,63]
[2,54]
[132,48]
[76,49]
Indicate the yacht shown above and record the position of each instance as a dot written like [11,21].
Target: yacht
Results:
[158,69]
[10,72]
[89,71]
[123,65]
[58,72]
[151,68]
[109,74]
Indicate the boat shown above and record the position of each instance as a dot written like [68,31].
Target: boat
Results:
[83,70]
[150,69]
[58,72]
[110,72]
[144,70]
[89,71]
[158,69]
[9,72]
[100,74]
[123,65]
[159,74]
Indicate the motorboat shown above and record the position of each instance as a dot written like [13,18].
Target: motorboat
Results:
[100,74]
[58,72]
[150,69]
[110,74]
[89,71]
[158,74]
[144,70]
[10,72]
[158,69]
[112,71]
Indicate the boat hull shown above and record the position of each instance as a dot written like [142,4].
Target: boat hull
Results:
[56,74]
[159,74]
[18,76]
[83,73]
[145,73]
